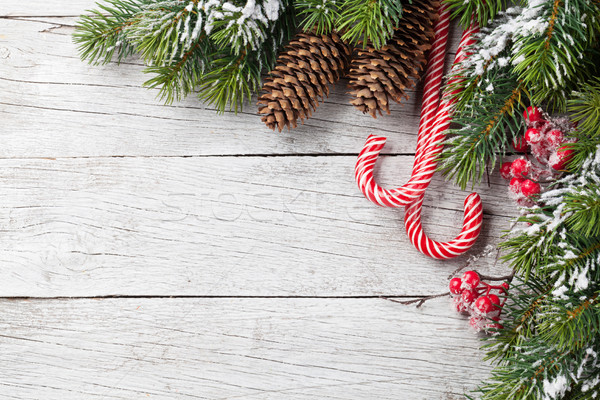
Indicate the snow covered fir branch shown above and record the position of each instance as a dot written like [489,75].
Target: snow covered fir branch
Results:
[550,342]
[221,48]
[536,54]
[216,47]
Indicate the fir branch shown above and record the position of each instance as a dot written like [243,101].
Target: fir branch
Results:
[217,46]
[586,390]
[246,28]
[584,210]
[232,79]
[553,61]
[101,35]
[320,15]
[484,11]
[540,371]
[550,342]
[520,381]
[369,21]
[584,108]
[520,313]
[482,131]
[165,30]
[176,81]
[571,325]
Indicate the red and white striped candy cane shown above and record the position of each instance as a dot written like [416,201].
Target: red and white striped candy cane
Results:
[421,176]
[431,135]
[473,208]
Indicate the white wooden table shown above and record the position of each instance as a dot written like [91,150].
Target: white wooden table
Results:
[165,252]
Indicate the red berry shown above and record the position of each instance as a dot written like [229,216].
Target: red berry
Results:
[476,323]
[561,158]
[471,279]
[459,306]
[455,284]
[530,188]
[495,325]
[503,289]
[520,144]
[532,114]
[505,170]
[515,185]
[484,304]
[555,137]
[520,167]
[495,301]
[533,136]
[468,296]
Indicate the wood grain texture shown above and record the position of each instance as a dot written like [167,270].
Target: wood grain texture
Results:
[220,226]
[105,191]
[12,8]
[235,349]
[104,111]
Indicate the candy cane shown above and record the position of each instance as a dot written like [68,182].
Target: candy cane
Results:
[473,209]
[431,135]
[422,173]
[466,238]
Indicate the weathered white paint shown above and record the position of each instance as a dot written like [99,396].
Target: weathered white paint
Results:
[104,191]
[104,111]
[219,225]
[13,8]
[235,349]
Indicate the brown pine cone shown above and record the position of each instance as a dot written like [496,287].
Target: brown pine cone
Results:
[376,76]
[303,74]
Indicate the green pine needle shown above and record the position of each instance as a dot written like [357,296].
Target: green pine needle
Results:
[484,11]
[369,21]
[320,15]
[101,35]
[231,81]
[483,131]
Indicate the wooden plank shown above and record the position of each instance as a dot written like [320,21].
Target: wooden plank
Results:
[104,111]
[221,226]
[13,8]
[235,349]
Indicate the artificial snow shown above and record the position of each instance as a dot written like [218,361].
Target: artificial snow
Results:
[555,388]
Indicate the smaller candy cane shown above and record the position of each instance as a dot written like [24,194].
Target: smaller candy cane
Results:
[470,232]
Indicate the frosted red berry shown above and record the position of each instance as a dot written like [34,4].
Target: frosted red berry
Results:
[475,323]
[470,279]
[515,185]
[520,168]
[532,114]
[561,158]
[496,325]
[529,188]
[484,304]
[555,137]
[533,136]
[520,144]
[468,296]
[505,285]
[455,285]
[495,301]
[505,170]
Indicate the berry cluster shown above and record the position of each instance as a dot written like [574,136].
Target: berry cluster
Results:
[545,137]
[474,297]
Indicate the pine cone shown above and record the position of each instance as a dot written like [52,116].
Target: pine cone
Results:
[303,73]
[376,76]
